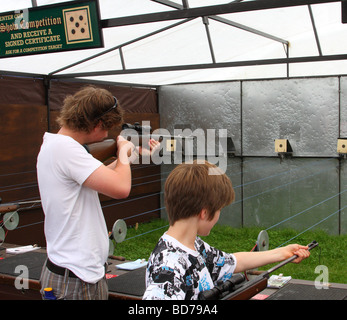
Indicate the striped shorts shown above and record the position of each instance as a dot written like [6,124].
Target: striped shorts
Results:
[66,287]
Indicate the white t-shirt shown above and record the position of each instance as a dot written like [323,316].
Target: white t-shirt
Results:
[75,228]
[177,272]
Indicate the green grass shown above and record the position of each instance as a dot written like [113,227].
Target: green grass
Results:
[331,251]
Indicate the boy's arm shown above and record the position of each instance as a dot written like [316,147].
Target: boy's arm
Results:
[250,260]
[114,180]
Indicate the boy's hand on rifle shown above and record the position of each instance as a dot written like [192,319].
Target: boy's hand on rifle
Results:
[124,145]
[153,146]
[295,249]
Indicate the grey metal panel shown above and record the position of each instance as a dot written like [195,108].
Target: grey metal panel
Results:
[343,169]
[165,171]
[202,106]
[343,107]
[304,191]
[343,212]
[232,214]
[206,106]
[304,111]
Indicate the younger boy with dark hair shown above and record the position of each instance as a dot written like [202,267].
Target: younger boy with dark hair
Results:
[181,265]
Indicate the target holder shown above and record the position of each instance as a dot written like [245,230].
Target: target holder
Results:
[263,241]
[11,220]
[119,230]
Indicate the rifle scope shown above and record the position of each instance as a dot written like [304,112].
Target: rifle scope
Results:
[226,287]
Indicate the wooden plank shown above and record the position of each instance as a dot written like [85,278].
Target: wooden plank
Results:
[22,128]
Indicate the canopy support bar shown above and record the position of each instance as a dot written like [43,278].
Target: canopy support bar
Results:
[207,66]
[120,46]
[207,11]
[315,30]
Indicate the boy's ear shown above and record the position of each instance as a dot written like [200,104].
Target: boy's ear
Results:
[203,214]
[98,126]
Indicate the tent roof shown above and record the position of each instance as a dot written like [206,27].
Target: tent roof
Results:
[257,39]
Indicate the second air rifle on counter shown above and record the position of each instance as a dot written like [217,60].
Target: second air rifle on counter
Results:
[238,288]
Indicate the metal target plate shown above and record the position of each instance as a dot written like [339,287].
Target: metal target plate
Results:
[111,248]
[2,235]
[119,230]
[11,220]
[263,241]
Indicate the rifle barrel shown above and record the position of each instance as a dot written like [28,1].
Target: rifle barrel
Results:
[259,283]
[312,245]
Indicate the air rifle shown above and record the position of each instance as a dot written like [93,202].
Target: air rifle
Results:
[107,148]
[10,207]
[135,133]
[237,288]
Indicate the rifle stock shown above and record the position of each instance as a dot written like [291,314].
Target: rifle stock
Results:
[8,208]
[249,289]
[107,148]
[102,150]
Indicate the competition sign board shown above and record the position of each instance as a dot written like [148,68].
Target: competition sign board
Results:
[53,28]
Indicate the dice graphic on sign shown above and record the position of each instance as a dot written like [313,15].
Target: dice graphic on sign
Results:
[77,25]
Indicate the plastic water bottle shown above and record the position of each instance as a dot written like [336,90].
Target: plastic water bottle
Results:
[49,295]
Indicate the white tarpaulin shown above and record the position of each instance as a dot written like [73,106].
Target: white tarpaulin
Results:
[241,39]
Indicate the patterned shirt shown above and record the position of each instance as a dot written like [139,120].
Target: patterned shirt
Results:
[177,272]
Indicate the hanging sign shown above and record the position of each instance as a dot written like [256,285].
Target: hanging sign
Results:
[54,28]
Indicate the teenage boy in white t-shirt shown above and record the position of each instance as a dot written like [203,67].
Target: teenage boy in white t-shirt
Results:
[69,180]
[182,265]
